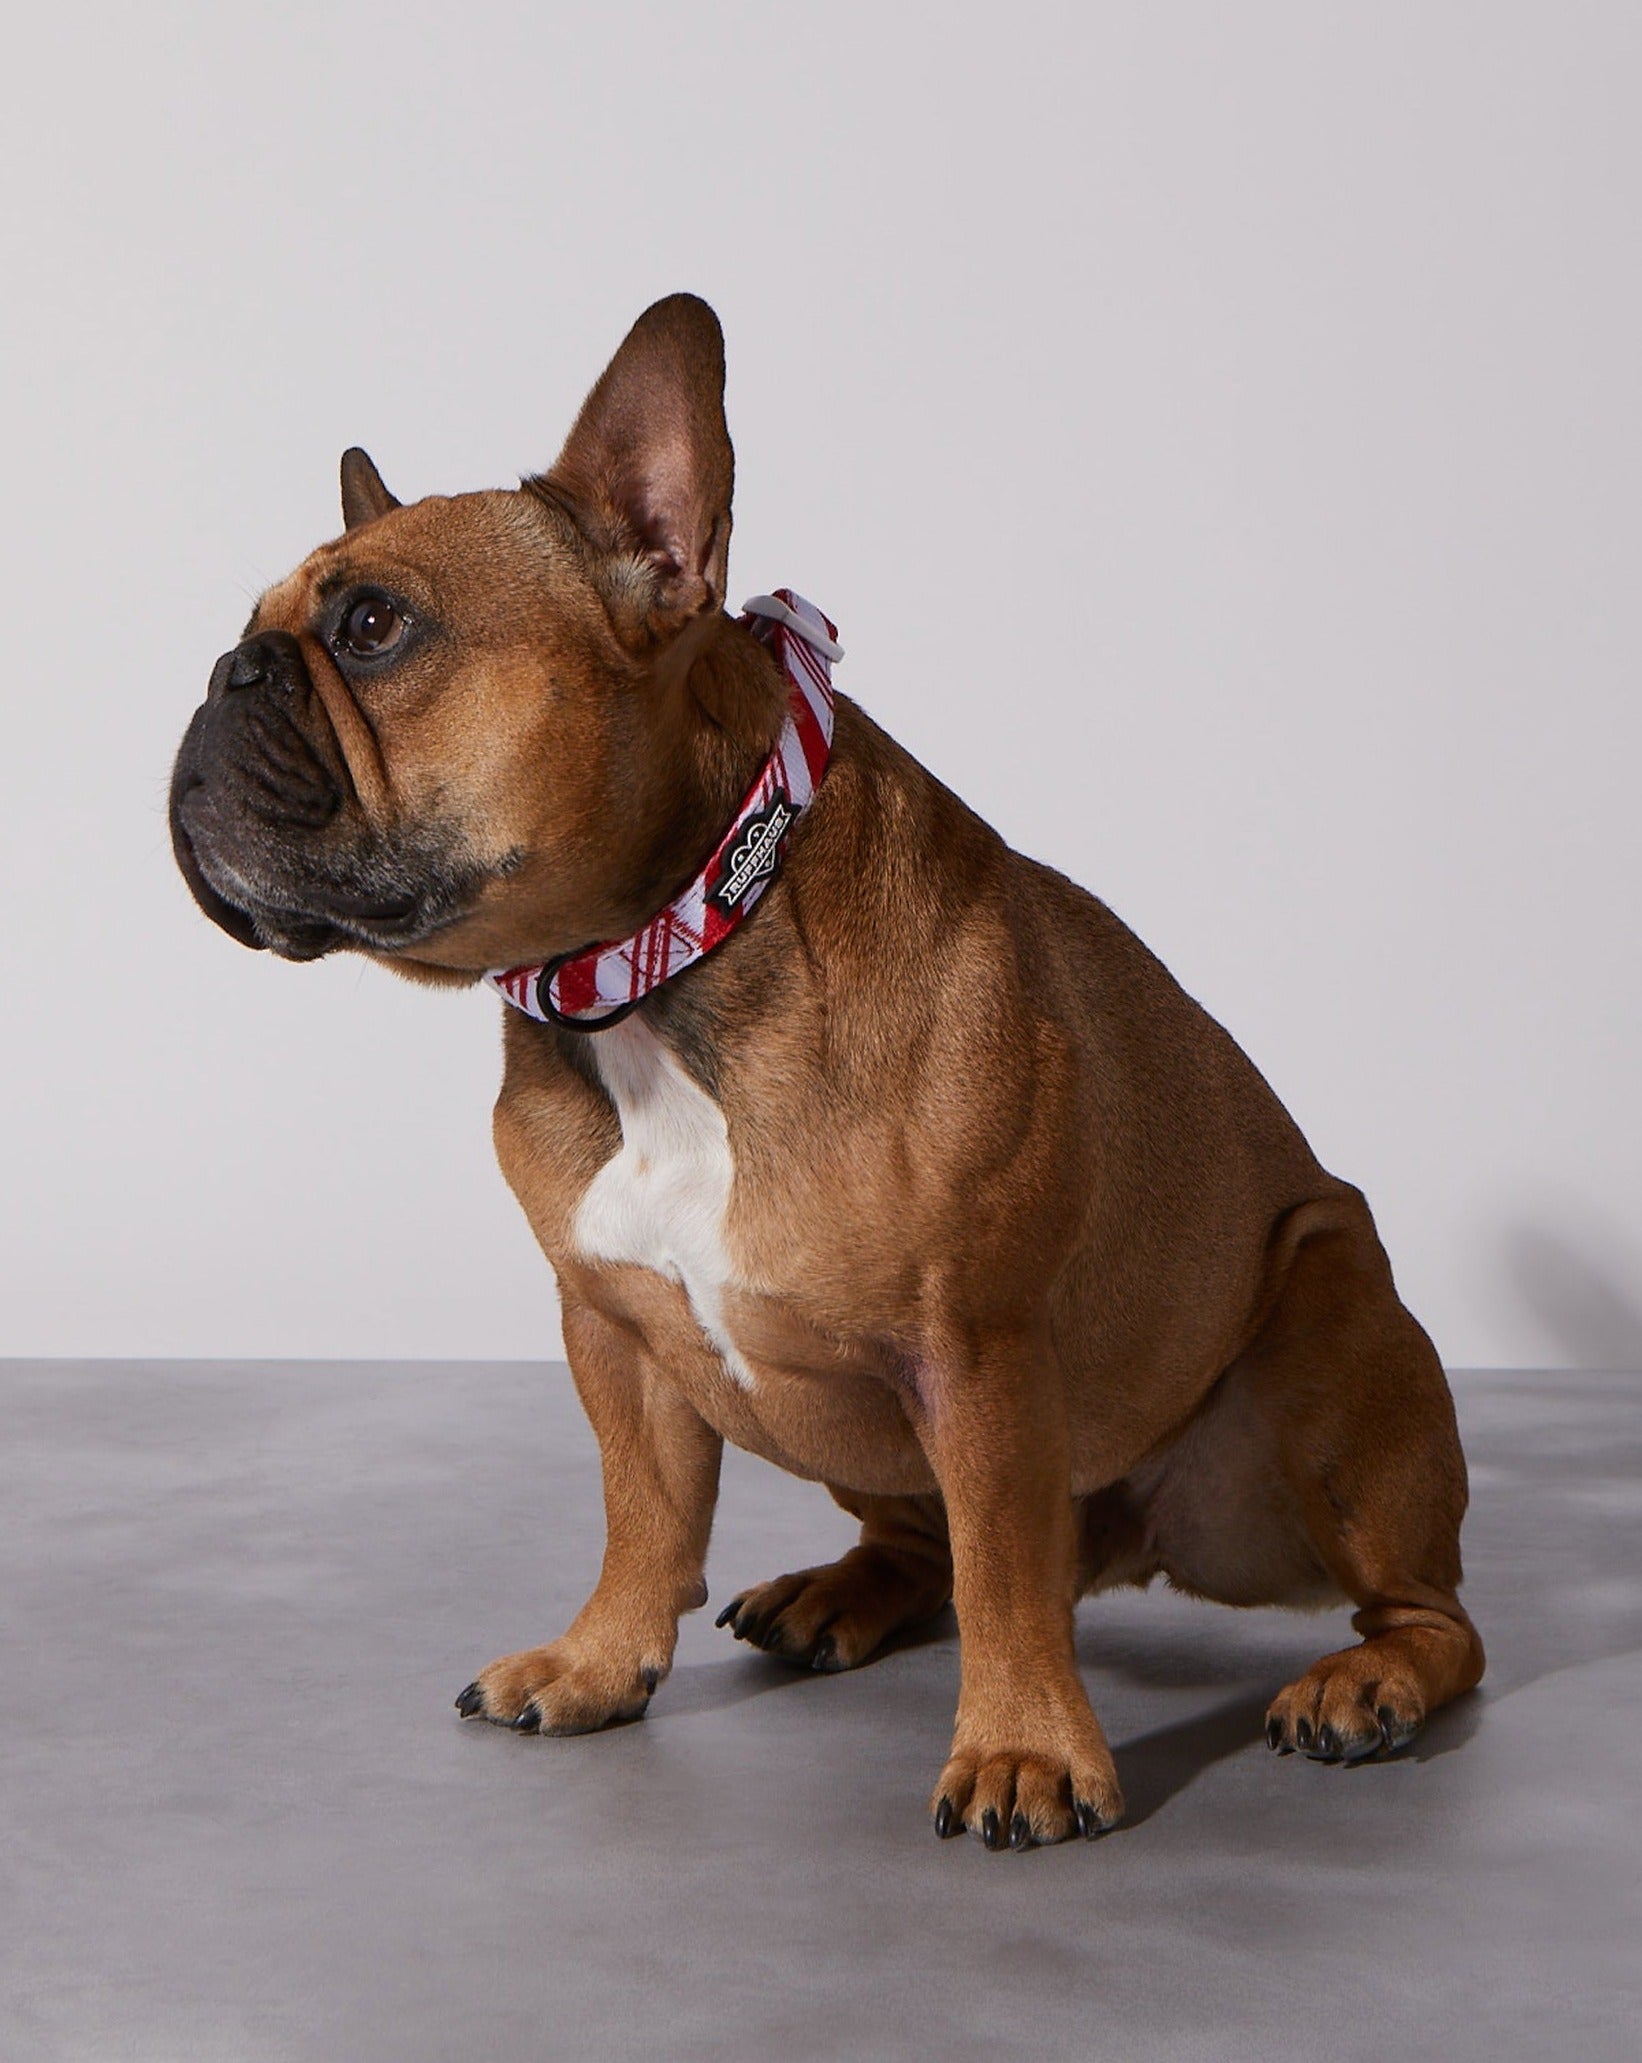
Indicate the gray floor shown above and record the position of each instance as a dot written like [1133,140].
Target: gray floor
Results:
[242,1821]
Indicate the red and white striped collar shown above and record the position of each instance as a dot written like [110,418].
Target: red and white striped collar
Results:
[597,985]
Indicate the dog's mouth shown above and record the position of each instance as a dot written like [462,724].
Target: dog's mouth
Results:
[372,896]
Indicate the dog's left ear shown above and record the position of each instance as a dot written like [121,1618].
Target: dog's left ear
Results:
[364,497]
[648,470]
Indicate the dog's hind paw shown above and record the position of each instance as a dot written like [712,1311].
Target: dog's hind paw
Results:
[1345,1710]
[838,1616]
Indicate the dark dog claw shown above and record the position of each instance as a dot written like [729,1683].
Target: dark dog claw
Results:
[1302,1732]
[727,1616]
[1089,1823]
[943,1818]
[991,1829]
[1274,1733]
[1394,1732]
[528,1721]
[826,1653]
[471,1702]
[1328,1742]
[1020,1831]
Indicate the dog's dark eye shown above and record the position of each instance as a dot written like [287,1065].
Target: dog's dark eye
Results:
[372,626]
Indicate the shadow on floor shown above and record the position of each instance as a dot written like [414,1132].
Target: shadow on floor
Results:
[745,1672]
[1160,1765]
[1588,1306]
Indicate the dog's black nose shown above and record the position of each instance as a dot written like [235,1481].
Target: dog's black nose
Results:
[249,665]
[271,656]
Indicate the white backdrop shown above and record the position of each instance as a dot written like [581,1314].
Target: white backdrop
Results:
[1215,430]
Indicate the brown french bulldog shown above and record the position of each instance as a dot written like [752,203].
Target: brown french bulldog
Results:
[926,1181]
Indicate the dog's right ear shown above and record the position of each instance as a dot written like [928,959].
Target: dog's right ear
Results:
[364,497]
[648,471]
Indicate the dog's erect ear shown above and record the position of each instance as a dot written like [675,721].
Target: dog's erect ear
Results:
[364,497]
[648,470]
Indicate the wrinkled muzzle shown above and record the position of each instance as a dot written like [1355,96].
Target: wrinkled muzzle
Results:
[253,794]
[269,833]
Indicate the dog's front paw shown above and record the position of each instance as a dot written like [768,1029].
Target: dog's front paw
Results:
[561,1690]
[1023,1797]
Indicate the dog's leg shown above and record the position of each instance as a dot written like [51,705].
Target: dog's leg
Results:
[660,1462]
[1029,1761]
[1368,1444]
[837,1616]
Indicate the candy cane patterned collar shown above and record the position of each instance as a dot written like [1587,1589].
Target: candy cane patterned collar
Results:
[596,986]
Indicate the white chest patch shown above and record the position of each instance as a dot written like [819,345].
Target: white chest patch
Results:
[661,1202]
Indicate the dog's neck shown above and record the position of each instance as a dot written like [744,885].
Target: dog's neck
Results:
[599,984]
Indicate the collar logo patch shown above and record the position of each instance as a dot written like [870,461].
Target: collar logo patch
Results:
[756,853]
